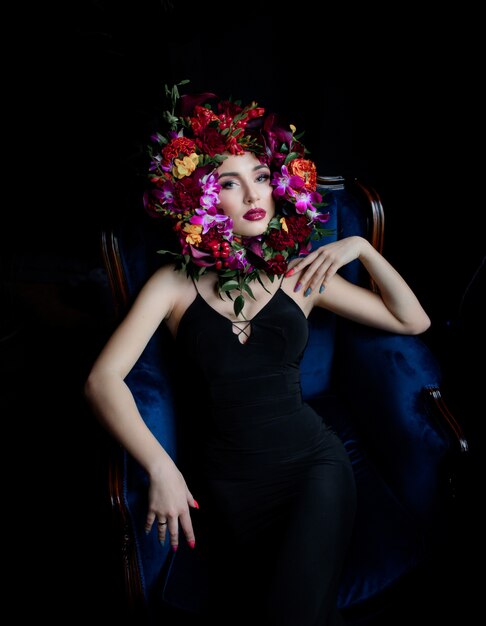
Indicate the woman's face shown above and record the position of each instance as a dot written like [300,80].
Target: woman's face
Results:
[246,194]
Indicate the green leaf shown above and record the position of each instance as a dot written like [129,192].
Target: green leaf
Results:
[184,82]
[238,305]
[228,273]
[229,285]
[160,138]
[291,157]
[167,252]
[275,223]
[261,282]
[247,288]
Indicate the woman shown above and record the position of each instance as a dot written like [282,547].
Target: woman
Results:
[274,485]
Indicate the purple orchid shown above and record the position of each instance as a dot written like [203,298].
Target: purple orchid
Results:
[207,218]
[165,195]
[304,200]
[286,185]
[210,190]
[238,261]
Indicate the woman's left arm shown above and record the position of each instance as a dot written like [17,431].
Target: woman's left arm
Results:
[394,307]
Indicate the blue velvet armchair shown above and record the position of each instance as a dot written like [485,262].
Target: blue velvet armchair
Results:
[380,391]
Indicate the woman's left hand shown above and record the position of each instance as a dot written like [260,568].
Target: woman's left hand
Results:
[318,267]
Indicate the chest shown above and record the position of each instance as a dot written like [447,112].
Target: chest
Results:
[272,340]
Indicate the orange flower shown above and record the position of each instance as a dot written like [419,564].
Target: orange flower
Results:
[306,170]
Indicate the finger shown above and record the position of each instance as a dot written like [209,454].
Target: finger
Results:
[187,529]
[330,272]
[303,279]
[313,277]
[149,522]
[173,528]
[301,264]
[162,530]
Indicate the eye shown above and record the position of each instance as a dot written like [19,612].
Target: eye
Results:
[262,178]
[228,184]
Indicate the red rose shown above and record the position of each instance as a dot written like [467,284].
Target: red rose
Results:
[186,194]
[211,142]
[278,265]
[299,227]
[279,239]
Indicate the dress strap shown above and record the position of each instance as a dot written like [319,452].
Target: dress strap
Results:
[194,282]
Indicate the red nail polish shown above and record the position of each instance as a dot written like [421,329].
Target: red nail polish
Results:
[289,273]
[191,544]
[196,505]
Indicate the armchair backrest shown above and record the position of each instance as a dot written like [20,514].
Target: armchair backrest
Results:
[130,255]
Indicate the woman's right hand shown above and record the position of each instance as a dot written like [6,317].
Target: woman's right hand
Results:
[168,506]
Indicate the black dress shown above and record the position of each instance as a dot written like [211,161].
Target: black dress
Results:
[274,483]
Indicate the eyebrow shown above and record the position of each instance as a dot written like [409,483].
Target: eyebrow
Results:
[256,168]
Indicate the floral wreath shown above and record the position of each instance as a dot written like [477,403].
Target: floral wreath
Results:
[185,188]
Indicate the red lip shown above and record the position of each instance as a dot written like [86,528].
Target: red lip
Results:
[254,214]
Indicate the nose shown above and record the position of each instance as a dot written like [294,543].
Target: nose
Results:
[252,194]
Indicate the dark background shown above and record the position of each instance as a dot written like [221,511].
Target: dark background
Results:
[391,98]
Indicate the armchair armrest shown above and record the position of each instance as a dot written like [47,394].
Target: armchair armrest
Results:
[385,380]
[149,382]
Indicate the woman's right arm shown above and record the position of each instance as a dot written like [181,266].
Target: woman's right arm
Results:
[113,403]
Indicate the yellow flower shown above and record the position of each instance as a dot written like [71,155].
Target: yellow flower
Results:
[193,234]
[186,166]
[284,224]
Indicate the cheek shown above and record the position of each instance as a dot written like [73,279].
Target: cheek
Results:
[224,201]
[269,197]
[265,192]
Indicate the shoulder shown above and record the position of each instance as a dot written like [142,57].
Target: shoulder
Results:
[167,284]
[168,276]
